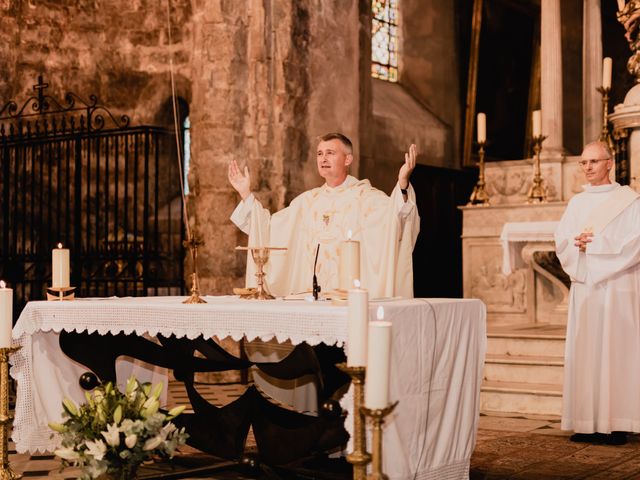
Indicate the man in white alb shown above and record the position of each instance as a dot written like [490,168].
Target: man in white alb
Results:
[387,227]
[598,244]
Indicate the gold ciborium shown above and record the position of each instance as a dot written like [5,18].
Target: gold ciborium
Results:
[260,256]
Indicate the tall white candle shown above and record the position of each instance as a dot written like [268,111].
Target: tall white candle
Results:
[60,267]
[349,266]
[620,5]
[6,315]
[482,128]
[607,65]
[376,390]
[537,123]
[358,321]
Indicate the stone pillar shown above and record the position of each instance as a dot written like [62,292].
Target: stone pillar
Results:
[591,71]
[551,76]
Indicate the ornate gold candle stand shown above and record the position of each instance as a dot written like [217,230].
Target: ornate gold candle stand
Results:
[605,132]
[359,458]
[60,293]
[538,191]
[377,420]
[479,196]
[260,256]
[192,244]
[5,418]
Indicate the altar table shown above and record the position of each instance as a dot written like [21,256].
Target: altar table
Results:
[438,349]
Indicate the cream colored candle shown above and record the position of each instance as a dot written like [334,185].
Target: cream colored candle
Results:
[357,326]
[537,123]
[349,266]
[376,390]
[607,66]
[6,315]
[482,128]
[60,267]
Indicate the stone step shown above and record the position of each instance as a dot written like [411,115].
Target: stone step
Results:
[518,397]
[515,368]
[528,340]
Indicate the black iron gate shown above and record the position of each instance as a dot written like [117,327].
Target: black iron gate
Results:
[73,173]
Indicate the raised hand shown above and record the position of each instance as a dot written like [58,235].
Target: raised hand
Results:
[240,181]
[408,166]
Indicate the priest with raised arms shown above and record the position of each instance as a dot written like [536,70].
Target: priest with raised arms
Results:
[385,226]
[598,244]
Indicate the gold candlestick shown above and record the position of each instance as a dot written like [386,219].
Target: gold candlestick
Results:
[60,293]
[377,420]
[260,256]
[359,458]
[605,132]
[479,196]
[538,191]
[192,243]
[5,418]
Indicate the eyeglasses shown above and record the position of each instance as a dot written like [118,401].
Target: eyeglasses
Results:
[592,162]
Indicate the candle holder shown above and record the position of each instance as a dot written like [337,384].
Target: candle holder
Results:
[605,132]
[538,191]
[5,418]
[260,256]
[479,196]
[359,458]
[58,294]
[192,244]
[377,420]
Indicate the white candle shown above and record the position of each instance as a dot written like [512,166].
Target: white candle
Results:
[607,65]
[537,123]
[482,128]
[358,322]
[60,267]
[6,315]
[376,390]
[349,266]
[620,5]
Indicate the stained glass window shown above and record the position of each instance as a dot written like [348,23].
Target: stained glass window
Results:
[384,40]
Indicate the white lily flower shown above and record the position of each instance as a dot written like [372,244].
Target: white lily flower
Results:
[131,440]
[152,443]
[67,453]
[96,449]
[112,435]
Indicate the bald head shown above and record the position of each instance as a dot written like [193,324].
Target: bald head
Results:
[596,163]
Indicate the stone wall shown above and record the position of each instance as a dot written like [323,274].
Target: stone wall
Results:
[261,78]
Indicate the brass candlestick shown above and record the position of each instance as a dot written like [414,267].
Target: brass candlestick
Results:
[260,256]
[605,132]
[359,458]
[5,418]
[60,293]
[377,420]
[538,191]
[479,196]
[192,244]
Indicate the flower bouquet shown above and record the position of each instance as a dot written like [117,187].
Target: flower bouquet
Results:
[114,432]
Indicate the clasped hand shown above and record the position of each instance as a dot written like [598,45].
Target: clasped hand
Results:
[582,240]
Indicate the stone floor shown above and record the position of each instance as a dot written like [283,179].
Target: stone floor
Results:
[508,447]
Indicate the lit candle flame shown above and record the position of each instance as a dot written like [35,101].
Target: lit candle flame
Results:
[380,313]
[356,283]
[59,245]
[349,233]
[2,284]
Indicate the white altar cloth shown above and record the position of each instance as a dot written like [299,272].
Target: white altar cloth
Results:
[438,352]
[515,234]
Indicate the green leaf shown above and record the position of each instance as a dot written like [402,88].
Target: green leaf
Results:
[70,407]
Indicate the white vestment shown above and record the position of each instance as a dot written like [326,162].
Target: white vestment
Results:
[386,227]
[601,381]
